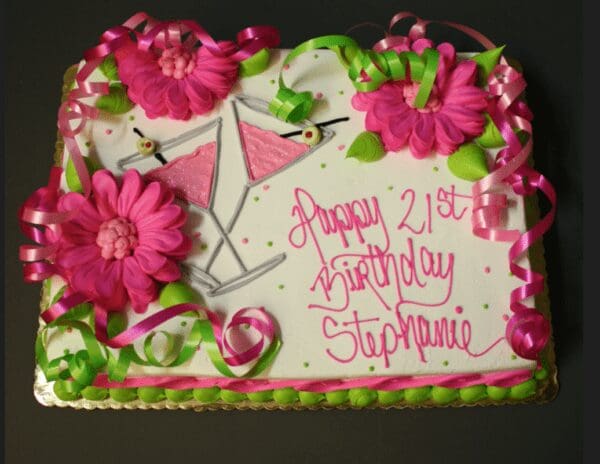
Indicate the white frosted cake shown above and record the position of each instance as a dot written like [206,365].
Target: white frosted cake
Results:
[325,262]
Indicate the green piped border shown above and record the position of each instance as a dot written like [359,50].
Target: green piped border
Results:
[541,388]
[290,398]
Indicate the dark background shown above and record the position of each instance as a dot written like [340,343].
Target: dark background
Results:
[43,40]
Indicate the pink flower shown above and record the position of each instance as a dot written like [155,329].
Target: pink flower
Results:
[452,115]
[121,241]
[178,81]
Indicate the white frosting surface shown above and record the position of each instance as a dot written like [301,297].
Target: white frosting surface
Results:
[267,221]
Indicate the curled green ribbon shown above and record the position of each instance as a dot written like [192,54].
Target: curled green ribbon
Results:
[367,69]
[77,371]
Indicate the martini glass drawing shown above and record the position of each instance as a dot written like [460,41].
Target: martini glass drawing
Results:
[265,154]
[192,177]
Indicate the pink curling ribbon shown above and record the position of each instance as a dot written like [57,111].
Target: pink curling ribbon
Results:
[527,331]
[418,30]
[170,33]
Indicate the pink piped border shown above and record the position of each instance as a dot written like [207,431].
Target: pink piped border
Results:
[497,379]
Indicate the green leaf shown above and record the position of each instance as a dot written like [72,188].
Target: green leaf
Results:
[58,295]
[116,102]
[469,162]
[109,68]
[491,136]
[71,176]
[367,147]
[486,62]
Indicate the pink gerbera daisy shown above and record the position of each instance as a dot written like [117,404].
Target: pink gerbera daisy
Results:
[177,81]
[121,240]
[452,115]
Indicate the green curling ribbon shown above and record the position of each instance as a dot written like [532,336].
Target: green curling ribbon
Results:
[432,58]
[78,371]
[379,67]
[256,64]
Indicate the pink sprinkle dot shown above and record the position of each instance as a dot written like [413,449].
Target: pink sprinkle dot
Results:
[108,131]
[286,67]
[458,310]
[266,187]
[341,147]
[197,235]
[505,317]
[244,241]
[318,95]
[487,269]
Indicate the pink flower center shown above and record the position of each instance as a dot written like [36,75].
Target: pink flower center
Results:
[433,102]
[116,238]
[176,62]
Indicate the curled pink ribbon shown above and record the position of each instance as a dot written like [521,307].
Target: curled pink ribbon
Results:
[419,29]
[527,331]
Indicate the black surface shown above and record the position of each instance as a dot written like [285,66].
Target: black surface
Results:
[47,38]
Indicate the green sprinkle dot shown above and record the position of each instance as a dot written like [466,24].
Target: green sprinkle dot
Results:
[390,188]
[132,117]
[88,144]
[272,81]
[513,356]
[510,274]
[436,169]
[445,363]
[305,364]
[281,286]
[486,306]
[256,198]
[316,56]
[204,246]
[341,92]
[246,326]
[323,165]
[269,243]
[183,324]
[66,351]
[371,368]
